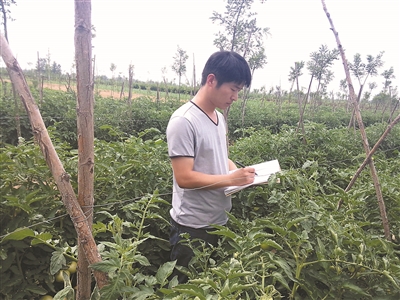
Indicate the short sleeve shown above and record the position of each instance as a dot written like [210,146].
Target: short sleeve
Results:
[180,138]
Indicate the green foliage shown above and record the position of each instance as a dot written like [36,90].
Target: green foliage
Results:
[125,171]
[128,269]
[285,239]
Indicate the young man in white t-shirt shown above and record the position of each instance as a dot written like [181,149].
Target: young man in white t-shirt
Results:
[196,136]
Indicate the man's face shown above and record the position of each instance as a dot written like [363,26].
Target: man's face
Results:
[226,94]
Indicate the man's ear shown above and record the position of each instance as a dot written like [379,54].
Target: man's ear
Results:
[211,80]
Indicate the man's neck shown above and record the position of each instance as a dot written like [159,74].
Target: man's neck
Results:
[203,102]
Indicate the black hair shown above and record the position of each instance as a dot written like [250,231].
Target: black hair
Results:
[227,66]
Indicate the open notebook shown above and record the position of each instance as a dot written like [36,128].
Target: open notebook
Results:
[264,171]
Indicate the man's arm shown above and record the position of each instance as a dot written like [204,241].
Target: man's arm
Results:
[232,166]
[189,179]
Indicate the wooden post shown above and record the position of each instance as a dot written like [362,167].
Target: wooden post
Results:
[353,100]
[60,176]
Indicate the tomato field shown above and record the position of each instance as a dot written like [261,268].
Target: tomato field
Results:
[288,239]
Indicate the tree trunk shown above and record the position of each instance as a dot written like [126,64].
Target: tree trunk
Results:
[245,98]
[121,94]
[353,99]
[94,77]
[16,113]
[194,78]
[301,111]
[68,85]
[394,109]
[61,178]
[16,104]
[4,11]
[130,83]
[179,88]
[83,61]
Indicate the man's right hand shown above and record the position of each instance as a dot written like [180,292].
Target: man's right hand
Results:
[243,176]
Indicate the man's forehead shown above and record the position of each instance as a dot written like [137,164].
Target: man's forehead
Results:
[238,85]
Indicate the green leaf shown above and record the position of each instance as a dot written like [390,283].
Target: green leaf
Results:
[204,281]
[164,271]
[36,289]
[142,260]
[239,274]
[272,226]
[111,245]
[19,234]
[235,245]
[224,232]
[286,268]
[41,238]
[190,289]
[295,221]
[219,273]
[272,243]
[390,277]
[110,265]
[279,277]
[144,293]
[112,290]
[57,261]
[66,293]
[355,289]
[322,251]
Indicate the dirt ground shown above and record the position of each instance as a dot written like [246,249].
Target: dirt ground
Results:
[102,93]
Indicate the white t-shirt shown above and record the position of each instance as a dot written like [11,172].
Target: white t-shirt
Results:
[191,133]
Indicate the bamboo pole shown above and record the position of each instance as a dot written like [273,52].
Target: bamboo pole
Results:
[353,100]
[84,109]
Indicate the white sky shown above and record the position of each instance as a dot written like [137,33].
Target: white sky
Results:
[146,33]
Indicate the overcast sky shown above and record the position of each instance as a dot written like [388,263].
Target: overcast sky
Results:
[146,33]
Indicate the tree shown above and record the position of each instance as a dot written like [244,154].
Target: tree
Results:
[388,76]
[256,61]
[130,83]
[5,11]
[41,65]
[318,67]
[362,71]
[294,75]
[179,66]
[320,63]
[56,68]
[242,35]
[165,80]
[113,67]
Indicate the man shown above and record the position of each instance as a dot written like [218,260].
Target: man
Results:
[196,136]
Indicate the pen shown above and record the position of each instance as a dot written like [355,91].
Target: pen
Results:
[243,166]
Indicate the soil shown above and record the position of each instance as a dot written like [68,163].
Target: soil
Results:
[102,93]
